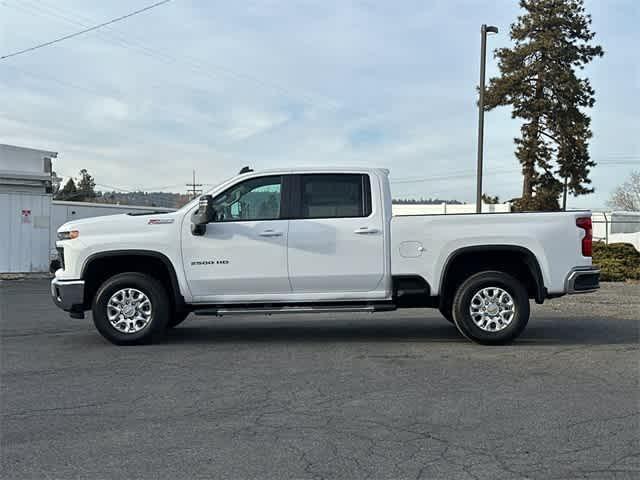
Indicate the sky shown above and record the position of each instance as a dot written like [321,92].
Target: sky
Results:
[216,85]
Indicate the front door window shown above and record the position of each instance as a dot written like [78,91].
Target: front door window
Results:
[254,199]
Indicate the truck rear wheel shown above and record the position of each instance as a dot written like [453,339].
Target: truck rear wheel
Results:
[131,309]
[491,308]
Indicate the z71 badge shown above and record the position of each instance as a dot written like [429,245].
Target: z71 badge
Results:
[209,262]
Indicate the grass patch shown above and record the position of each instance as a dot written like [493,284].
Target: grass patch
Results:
[618,262]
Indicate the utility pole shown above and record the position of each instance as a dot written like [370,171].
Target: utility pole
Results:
[564,194]
[194,191]
[483,60]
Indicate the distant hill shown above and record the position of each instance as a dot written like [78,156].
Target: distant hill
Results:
[149,199]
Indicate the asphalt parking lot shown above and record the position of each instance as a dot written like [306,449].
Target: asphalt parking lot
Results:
[391,396]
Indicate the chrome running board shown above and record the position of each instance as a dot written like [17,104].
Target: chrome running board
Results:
[274,310]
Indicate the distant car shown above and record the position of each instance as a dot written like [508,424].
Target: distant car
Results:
[317,240]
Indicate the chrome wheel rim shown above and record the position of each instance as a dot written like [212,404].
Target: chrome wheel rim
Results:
[129,310]
[492,309]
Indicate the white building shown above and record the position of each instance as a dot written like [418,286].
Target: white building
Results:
[25,208]
[29,218]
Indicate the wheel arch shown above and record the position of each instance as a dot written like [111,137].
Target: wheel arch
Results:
[102,265]
[494,257]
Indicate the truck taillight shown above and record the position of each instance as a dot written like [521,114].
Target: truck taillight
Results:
[587,241]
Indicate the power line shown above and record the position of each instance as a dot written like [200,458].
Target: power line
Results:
[193,63]
[86,30]
[168,203]
[147,191]
[448,177]
[471,174]
[310,98]
[95,92]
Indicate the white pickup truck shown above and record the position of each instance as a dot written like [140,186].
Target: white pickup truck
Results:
[317,240]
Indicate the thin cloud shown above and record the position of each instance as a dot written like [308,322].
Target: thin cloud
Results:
[216,87]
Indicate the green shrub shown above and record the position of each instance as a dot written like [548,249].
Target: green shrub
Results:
[618,262]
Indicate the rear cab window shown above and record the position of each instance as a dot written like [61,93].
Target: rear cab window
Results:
[343,195]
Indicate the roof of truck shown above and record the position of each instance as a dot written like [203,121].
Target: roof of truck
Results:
[324,169]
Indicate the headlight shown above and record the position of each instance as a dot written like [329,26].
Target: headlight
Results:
[69,235]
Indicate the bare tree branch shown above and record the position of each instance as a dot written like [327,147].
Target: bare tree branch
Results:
[627,196]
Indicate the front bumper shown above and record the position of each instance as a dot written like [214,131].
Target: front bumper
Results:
[584,280]
[68,295]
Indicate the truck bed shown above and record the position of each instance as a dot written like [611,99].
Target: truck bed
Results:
[423,243]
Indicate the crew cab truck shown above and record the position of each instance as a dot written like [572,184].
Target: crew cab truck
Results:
[315,240]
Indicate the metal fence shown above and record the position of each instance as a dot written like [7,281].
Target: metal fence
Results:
[608,226]
[615,228]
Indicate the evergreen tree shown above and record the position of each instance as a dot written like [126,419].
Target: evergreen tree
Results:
[538,79]
[68,192]
[86,186]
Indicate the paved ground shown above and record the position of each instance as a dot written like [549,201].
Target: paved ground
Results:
[398,395]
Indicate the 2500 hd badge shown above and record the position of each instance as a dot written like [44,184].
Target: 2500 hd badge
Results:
[210,262]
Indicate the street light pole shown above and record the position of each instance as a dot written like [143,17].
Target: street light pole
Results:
[483,60]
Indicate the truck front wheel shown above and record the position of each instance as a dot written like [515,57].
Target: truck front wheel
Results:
[491,308]
[131,309]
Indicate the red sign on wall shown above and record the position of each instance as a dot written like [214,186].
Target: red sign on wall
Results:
[26,216]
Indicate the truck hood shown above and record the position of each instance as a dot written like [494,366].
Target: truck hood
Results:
[118,223]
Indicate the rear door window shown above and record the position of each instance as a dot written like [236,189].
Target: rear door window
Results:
[335,196]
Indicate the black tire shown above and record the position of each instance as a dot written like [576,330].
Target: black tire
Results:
[474,284]
[177,318]
[160,307]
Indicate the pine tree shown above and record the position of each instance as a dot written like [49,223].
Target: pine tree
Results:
[86,186]
[538,79]
[68,192]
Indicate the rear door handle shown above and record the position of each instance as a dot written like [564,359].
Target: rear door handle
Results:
[270,233]
[365,230]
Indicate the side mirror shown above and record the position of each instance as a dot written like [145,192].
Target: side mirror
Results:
[203,215]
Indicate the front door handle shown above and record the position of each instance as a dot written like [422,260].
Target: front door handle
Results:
[270,233]
[365,230]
